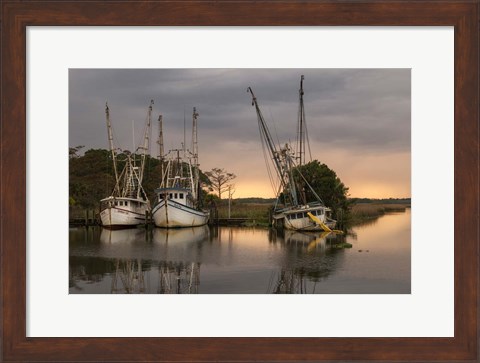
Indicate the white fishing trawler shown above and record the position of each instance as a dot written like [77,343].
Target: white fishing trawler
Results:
[177,202]
[292,209]
[128,203]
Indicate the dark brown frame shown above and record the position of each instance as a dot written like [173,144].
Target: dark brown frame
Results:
[16,16]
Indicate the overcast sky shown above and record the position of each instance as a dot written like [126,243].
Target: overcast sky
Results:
[358,119]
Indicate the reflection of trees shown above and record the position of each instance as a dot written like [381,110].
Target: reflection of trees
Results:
[310,257]
[88,269]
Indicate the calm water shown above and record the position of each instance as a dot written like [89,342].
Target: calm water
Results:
[242,260]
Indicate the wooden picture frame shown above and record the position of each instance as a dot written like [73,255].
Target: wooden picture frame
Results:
[17,16]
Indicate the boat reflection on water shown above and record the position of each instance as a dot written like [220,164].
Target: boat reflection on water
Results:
[171,278]
[128,278]
[177,245]
[168,261]
[183,236]
[309,258]
[163,261]
[179,278]
[121,236]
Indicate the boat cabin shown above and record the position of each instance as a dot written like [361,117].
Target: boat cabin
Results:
[178,195]
[323,213]
[120,202]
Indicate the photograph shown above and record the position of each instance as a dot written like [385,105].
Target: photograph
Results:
[239,181]
[222,153]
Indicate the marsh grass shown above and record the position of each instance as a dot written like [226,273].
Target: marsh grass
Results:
[366,211]
[258,213]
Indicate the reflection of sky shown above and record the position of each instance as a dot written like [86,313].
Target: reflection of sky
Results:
[247,260]
[381,254]
[358,120]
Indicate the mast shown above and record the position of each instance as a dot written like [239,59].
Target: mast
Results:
[146,146]
[161,152]
[302,132]
[110,141]
[194,137]
[265,134]
[160,138]
[282,159]
[195,176]
[184,145]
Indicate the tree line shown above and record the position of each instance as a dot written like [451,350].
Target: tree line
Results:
[92,178]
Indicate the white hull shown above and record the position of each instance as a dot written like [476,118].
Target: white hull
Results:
[169,214]
[124,216]
[304,224]
[298,219]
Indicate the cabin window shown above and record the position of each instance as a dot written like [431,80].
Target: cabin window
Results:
[181,195]
[170,195]
[176,195]
[126,204]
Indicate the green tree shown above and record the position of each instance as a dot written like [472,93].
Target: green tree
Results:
[91,177]
[326,184]
[72,151]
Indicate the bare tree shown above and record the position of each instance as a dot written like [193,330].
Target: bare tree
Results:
[219,179]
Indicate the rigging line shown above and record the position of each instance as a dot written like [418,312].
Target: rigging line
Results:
[116,145]
[308,184]
[266,158]
[297,141]
[274,125]
[269,172]
[306,134]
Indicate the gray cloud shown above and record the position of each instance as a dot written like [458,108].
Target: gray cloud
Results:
[360,111]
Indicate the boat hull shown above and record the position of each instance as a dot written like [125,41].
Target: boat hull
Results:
[116,217]
[298,219]
[169,214]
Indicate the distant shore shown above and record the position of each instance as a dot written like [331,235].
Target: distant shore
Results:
[257,210]
[362,209]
